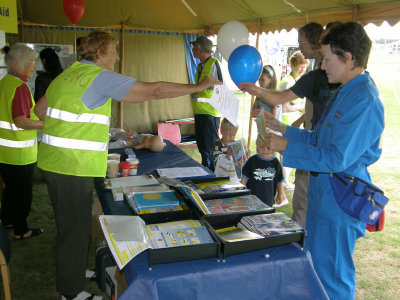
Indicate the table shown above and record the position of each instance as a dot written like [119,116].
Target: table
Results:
[284,272]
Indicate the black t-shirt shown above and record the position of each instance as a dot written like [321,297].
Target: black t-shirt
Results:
[263,176]
[315,86]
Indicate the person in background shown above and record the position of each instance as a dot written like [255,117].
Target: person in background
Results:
[223,160]
[267,80]
[154,143]
[292,110]
[206,117]
[76,114]
[52,66]
[18,140]
[346,139]
[315,87]
[262,174]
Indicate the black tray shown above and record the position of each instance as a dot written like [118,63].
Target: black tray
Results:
[181,253]
[232,248]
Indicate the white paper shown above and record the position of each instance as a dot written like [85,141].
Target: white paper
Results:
[122,250]
[185,172]
[141,180]
[226,103]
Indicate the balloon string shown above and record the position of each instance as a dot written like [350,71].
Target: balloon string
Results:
[75,39]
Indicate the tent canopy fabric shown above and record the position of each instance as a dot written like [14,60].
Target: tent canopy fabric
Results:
[153,35]
[207,16]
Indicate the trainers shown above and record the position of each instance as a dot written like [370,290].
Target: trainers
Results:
[84,296]
[289,186]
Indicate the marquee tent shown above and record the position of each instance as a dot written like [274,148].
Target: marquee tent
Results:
[154,34]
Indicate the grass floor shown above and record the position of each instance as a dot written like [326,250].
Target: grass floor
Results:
[376,256]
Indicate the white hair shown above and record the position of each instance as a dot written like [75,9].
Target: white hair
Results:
[18,56]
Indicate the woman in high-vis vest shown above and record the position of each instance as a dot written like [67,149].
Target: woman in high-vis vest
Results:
[76,111]
[18,143]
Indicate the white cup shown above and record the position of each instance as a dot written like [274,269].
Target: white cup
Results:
[133,166]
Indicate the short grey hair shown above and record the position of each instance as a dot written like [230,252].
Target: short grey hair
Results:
[18,56]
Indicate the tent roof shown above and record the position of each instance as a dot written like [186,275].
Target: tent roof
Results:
[207,16]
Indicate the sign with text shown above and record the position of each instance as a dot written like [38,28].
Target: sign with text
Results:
[8,16]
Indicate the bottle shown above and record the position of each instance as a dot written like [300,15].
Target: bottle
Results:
[130,153]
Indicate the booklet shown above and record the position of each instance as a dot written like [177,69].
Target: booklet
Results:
[128,236]
[235,234]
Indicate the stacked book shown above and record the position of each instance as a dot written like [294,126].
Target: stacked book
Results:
[153,202]
[270,224]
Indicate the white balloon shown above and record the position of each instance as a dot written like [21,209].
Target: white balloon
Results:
[231,35]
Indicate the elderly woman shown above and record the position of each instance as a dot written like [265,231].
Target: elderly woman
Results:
[76,111]
[18,144]
[346,139]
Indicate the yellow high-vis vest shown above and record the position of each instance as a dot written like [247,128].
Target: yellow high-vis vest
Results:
[17,146]
[75,138]
[200,101]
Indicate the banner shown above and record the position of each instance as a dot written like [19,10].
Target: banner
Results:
[8,16]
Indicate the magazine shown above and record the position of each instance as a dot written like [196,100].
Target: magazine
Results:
[235,204]
[270,224]
[240,154]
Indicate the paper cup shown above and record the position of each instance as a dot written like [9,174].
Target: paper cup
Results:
[133,166]
[112,168]
[124,167]
[114,156]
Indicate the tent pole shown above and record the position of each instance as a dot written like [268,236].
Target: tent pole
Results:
[121,70]
[252,97]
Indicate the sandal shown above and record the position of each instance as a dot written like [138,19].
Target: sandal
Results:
[9,226]
[34,232]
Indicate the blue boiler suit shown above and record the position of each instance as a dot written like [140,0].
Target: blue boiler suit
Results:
[348,141]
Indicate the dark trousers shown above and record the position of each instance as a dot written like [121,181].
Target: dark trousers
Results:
[206,127]
[17,196]
[71,197]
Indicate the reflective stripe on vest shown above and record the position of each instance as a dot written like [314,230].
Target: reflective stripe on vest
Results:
[75,138]
[73,144]
[77,118]
[18,144]
[9,126]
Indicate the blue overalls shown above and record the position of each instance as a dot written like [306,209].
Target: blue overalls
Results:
[348,140]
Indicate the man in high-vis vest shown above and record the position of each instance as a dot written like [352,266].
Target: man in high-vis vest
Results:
[206,117]
[18,142]
[76,112]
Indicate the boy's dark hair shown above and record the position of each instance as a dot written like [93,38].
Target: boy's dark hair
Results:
[312,32]
[349,37]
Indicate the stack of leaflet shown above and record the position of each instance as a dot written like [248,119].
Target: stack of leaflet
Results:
[154,202]
[270,224]
[236,204]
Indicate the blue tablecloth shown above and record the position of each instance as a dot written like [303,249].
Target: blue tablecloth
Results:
[283,272]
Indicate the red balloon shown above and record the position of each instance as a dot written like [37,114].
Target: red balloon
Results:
[74,9]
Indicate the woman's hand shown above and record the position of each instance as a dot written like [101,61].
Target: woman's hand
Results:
[276,143]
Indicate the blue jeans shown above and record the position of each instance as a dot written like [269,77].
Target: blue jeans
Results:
[206,127]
